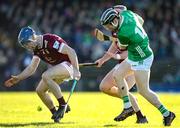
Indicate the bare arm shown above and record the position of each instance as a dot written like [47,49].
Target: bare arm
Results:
[73,58]
[118,56]
[106,56]
[124,54]
[112,49]
[28,71]
[71,54]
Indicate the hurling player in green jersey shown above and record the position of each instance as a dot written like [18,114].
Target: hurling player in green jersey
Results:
[131,35]
[108,84]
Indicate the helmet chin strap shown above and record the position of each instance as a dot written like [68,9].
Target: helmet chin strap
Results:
[115,25]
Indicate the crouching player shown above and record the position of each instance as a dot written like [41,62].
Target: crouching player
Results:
[53,50]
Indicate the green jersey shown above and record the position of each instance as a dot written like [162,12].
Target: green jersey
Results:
[132,35]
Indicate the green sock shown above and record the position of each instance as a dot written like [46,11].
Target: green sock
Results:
[163,111]
[126,101]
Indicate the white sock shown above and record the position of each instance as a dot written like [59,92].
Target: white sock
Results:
[166,114]
[127,105]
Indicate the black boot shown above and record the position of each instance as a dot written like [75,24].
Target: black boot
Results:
[169,119]
[124,114]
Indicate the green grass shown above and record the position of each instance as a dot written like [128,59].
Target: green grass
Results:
[89,110]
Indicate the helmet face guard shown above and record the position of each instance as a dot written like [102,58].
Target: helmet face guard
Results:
[108,21]
[25,35]
[108,16]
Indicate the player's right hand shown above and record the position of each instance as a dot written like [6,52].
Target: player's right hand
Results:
[99,62]
[76,74]
[12,81]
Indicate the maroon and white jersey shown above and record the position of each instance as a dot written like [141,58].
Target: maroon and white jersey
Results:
[50,50]
[119,51]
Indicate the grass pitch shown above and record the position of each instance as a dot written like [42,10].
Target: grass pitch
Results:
[88,110]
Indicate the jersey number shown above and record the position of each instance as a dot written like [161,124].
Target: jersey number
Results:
[140,51]
[141,32]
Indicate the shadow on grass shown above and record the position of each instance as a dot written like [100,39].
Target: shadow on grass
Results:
[32,123]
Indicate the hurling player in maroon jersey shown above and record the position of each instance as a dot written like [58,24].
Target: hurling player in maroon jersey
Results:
[53,50]
[108,84]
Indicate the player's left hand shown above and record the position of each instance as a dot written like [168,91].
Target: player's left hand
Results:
[76,74]
[12,81]
[99,62]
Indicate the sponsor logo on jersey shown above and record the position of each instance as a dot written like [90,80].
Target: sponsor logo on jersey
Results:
[56,45]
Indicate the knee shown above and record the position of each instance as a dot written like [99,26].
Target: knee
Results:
[120,94]
[39,91]
[45,76]
[103,87]
[115,75]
